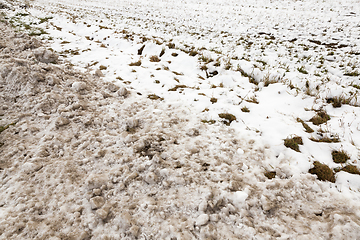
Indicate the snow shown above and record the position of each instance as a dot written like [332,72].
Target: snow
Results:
[103,148]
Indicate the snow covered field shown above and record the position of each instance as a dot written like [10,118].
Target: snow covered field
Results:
[180,119]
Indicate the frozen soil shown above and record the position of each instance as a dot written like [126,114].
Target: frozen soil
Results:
[85,159]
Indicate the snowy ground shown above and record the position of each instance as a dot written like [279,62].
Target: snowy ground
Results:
[122,136]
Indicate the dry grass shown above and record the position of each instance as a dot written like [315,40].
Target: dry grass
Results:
[270,174]
[339,156]
[350,169]
[293,143]
[203,68]
[228,118]
[193,53]
[320,118]
[307,128]
[252,100]
[140,50]
[340,100]
[267,79]
[213,100]
[244,74]
[336,101]
[154,97]
[245,109]
[177,73]
[177,87]
[323,172]
[162,52]
[205,59]
[138,63]
[154,58]
[102,67]
[326,139]
[208,121]
[302,70]
[352,74]
[171,45]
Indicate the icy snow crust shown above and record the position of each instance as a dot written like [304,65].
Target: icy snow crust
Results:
[98,149]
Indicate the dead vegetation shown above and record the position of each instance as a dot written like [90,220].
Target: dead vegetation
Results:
[177,73]
[213,100]
[352,74]
[252,100]
[326,139]
[154,97]
[102,67]
[208,121]
[140,50]
[177,87]
[205,59]
[162,52]
[305,125]
[245,109]
[249,76]
[349,169]
[323,172]
[293,143]
[171,45]
[336,101]
[193,53]
[339,156]
[320,118]
[137,64]
[270,174]
[228,118]
[340,100]
[154,58]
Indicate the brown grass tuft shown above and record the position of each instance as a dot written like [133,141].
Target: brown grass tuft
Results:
[326,139]
[213,100]
[293,143]
[270,174]
[350,169]
[138,63]
[154,97]
[339,156]
[228,118]
[177,87]
[323,172]
[193,53]
[320,118]
[208,121]
[102,67]
[245,109]
[154,58]
[307,128]
[140,50]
